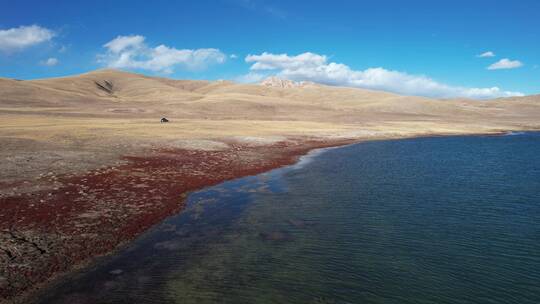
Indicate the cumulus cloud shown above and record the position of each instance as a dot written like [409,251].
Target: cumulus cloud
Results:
[314,67]
[131,52]
[250,77]
[19,38]
[505,64]
[50,62]
[122,43]
[268,61]
[486,54]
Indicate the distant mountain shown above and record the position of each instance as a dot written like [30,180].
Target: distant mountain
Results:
[113,92]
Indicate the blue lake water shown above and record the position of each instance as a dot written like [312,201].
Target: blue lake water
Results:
[426,220]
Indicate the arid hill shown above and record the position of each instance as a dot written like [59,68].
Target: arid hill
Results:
[87,165]
[121,94]
[110,112]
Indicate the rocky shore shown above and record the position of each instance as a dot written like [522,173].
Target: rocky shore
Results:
[49,232]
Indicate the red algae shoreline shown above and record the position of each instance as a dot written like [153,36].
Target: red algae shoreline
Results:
[48,233]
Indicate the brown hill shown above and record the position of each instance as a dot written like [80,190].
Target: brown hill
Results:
[87,165]
[106,92]
[110,112]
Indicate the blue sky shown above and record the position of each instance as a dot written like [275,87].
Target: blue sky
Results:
[428,48]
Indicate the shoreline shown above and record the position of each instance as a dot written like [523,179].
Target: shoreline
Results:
[57,232]
[278,155]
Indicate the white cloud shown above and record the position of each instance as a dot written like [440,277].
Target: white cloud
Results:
[316,68]
[250,77]
[233,56]
[122,43]
[131,52]
[19,38]
[486,54]
[505,63]
[50,62]
[268,61]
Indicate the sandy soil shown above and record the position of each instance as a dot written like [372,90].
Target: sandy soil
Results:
[87,166]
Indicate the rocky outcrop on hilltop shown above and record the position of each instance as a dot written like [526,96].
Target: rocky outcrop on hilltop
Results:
[276,82]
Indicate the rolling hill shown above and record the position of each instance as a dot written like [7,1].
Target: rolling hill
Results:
[107,113]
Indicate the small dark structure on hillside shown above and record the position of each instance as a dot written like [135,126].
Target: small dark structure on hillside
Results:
[106,86]
[164,119]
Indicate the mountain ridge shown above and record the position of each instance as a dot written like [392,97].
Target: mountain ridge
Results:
[97,92]
[193,85]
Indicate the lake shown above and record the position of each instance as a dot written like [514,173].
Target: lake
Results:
[424,220]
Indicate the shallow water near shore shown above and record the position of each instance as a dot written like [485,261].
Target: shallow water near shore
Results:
[425,220]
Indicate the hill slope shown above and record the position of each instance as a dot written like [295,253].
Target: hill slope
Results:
[106,92]
[87,165]
[91,119]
